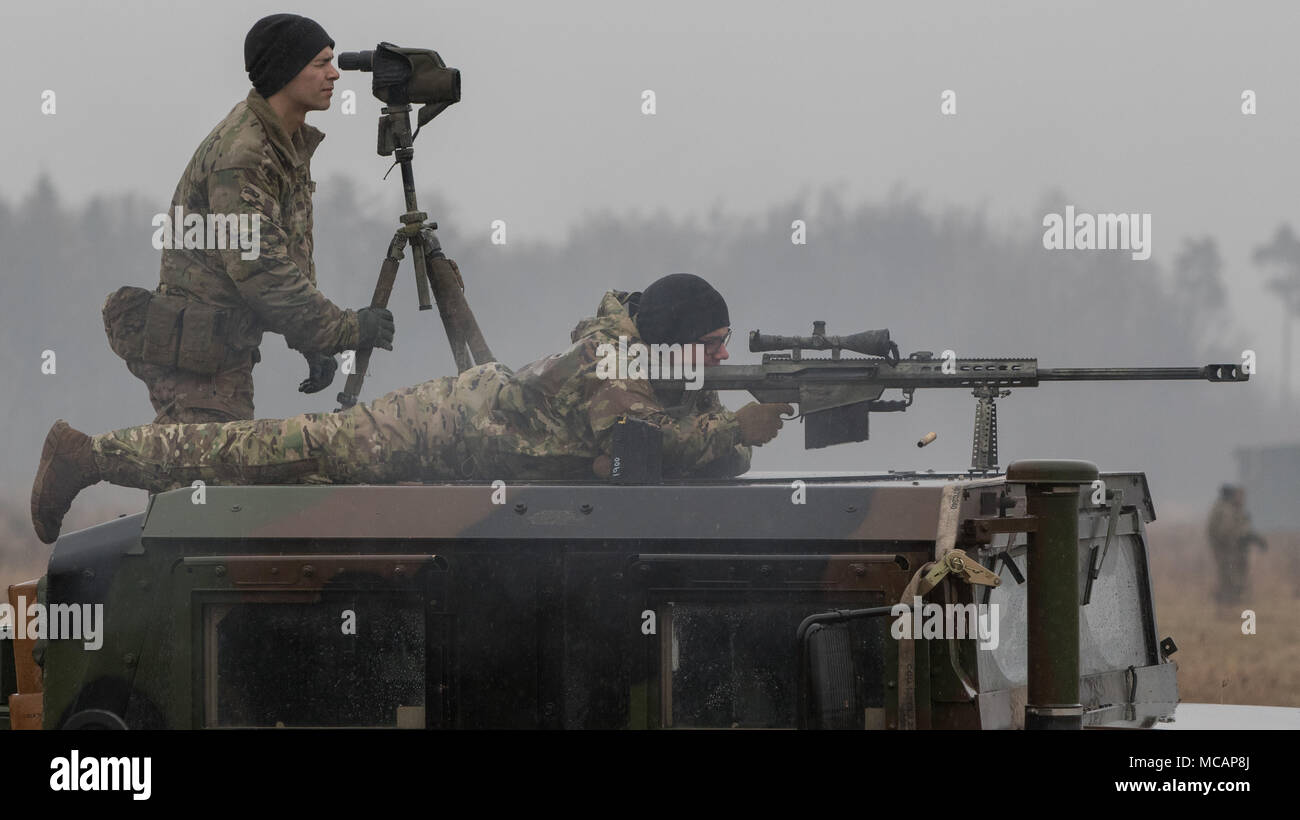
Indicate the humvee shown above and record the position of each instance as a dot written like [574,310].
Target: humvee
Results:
[765,601]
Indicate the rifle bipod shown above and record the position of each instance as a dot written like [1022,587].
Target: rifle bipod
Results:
[984,443]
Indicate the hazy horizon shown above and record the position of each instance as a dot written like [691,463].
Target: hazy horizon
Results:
[929,224]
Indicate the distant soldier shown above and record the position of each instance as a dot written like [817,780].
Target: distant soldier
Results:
[554,418]
[194,341]
[1230,538]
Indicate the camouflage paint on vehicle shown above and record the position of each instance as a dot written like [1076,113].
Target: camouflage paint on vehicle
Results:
[531,605]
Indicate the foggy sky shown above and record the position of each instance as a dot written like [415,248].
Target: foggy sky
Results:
[1122,106]
[1111,107]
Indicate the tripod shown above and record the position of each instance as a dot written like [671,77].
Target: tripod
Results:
[432,268]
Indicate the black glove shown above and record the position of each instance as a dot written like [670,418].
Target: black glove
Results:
[377,328]
[320,372]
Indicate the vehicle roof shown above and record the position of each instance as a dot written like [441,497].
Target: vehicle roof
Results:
[834,509]
[900,506]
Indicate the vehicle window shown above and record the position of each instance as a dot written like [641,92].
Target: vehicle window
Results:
[734,665]
[285,663]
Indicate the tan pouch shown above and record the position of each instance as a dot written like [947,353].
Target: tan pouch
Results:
[124,318]
[203,339]
[162,330]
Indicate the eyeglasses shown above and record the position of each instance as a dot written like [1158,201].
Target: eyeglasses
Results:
[712,346]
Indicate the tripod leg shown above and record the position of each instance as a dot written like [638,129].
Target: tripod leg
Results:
[450,296]
[383,290]
[449,292]
[470,331]
[421,250]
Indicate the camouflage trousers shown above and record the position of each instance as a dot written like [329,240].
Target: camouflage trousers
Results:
[181,397]
[432,430]
[1232,562]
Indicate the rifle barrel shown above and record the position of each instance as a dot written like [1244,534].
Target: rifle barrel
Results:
[1092,374]
[1210,372]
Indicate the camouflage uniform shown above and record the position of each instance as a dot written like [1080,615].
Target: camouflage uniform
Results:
[551,419]
[247,165]
[1230,534]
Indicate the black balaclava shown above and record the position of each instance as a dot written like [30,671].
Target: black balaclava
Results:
[278,47]
[678,309]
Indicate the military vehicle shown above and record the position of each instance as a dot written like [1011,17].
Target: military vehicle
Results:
[576,606]
[762,601]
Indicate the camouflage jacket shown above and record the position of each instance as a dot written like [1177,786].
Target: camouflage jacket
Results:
[553,417]
[1229,524]
[249,165]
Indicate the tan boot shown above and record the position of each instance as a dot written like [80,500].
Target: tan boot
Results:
[67,467]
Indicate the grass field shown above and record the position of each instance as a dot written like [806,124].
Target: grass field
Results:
[1217,663]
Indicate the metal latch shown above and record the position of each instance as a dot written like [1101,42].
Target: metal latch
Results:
[958,563]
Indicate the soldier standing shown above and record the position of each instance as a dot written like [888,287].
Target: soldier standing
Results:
[194,341]
[1230,538]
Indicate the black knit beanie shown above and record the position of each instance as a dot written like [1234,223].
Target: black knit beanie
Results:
[278,47]
[678,309]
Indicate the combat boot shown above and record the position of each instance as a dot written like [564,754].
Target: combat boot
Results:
[67,467]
